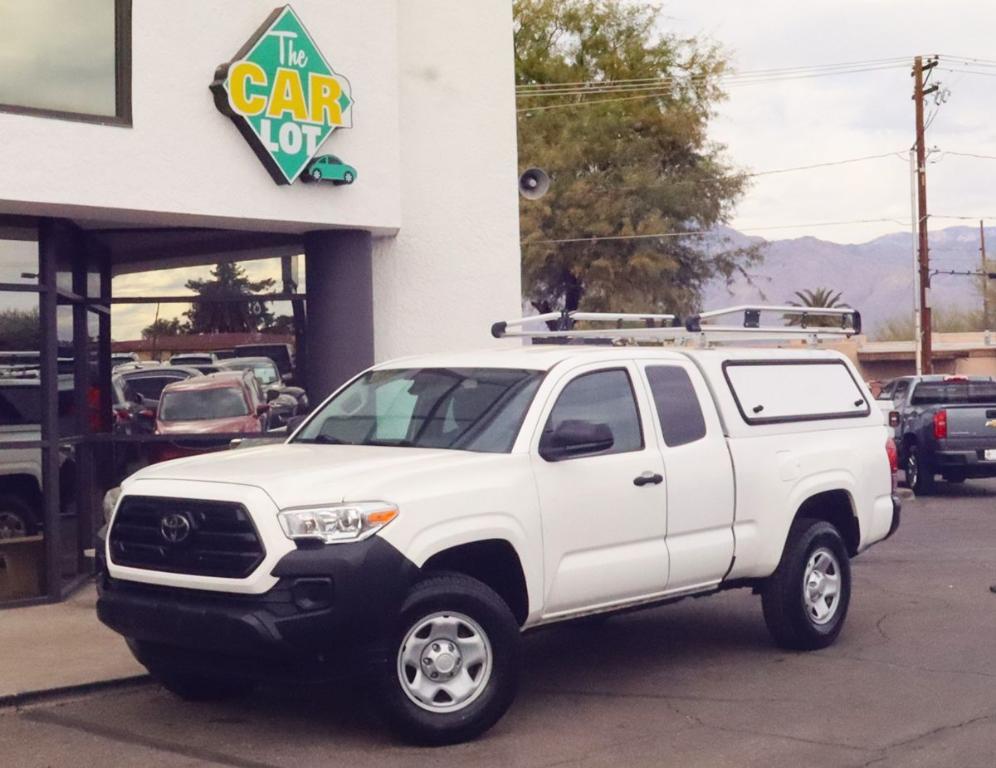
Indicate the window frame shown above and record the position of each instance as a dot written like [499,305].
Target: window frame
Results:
[122,116]
[555,399]
[757,421]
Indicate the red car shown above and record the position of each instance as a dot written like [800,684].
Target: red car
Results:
[226,403]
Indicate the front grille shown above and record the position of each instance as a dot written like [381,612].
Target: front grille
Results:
[204,538]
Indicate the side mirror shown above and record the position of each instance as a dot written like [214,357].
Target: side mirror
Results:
[294,422]
[271,395]
[139,398]
[574,438]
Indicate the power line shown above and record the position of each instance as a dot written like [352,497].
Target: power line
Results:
[657,87]
[828,164]
[775,72]
[967,154]
[657,235]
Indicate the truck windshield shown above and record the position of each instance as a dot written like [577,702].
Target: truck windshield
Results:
[469,409]
[955,393]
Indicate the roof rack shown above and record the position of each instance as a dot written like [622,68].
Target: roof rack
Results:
[695,328]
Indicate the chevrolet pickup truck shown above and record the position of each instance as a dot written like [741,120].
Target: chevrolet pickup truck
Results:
[947,427]
[436,507]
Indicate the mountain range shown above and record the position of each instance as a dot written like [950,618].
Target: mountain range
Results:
[875,277]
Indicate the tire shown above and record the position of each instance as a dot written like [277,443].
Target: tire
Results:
[316,175]
[477,657]
[168,669]
[919,473]
[193,687]
[797,621]
[348,177]
[15,517]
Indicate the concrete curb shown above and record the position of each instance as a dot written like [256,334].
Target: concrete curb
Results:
[26,698]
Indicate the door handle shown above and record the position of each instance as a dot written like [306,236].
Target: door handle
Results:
[648,478]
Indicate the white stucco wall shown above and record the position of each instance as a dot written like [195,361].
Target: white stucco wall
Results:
[454,268]
[433,139]
[183,162]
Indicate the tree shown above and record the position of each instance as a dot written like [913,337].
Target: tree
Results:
[20,330]
[228,280]
[901,328]
[620,166]
[163,327]
[821,298]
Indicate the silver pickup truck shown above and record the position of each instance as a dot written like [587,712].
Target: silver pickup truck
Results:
[947,427]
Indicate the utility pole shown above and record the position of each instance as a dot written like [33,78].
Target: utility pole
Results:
[985,279]
[919,68]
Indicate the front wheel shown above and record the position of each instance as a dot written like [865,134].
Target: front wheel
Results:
[456,662]
[348,177]
[805,601]
[15,517]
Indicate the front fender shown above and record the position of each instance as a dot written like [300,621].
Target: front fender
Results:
[446,534]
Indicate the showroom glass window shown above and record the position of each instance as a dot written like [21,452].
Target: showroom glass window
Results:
[66,59]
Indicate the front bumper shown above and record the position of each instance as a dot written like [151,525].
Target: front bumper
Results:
[897,512]
[331,611]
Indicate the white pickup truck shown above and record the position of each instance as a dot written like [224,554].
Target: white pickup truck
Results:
[436,507]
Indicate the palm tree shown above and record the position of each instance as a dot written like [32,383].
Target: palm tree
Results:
[822,298]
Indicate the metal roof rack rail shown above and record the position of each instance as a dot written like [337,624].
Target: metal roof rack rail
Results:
[664,327]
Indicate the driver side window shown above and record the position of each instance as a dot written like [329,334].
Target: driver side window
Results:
[600,398]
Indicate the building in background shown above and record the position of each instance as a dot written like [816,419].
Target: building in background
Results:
[367,140]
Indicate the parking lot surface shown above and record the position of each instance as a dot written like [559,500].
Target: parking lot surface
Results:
[910,683]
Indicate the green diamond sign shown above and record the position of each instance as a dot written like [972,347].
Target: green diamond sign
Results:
[285,98]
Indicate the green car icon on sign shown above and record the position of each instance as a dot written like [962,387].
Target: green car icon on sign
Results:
[330,168]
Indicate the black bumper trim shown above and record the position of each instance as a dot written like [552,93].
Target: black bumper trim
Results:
[897,513]
[330,603]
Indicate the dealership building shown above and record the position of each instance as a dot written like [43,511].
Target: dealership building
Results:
[373,144]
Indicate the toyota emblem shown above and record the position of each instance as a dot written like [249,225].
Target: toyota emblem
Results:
[175,528]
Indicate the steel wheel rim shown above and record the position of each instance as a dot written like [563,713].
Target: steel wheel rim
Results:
[12,526]
[912,470]
[444,662]
[821,586]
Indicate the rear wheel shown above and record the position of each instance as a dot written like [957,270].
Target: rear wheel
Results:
[456,662]
[347,177]
[919,473]
[316,175]
[805,601]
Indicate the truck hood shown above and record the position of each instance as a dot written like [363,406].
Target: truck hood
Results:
[300,474]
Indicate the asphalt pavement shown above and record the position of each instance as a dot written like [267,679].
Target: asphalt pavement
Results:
[909,683]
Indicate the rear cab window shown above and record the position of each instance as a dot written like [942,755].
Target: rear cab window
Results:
[780,391]
[678,409]
[955,392]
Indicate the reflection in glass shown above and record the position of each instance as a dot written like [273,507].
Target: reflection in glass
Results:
[22,549]
[18,255]
[58,55]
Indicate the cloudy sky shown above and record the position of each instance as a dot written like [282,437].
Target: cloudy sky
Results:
[805,121]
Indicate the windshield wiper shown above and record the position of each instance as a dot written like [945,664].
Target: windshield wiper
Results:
[401,443]
[324,439]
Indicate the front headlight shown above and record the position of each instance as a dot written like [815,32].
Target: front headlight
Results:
[337,523]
